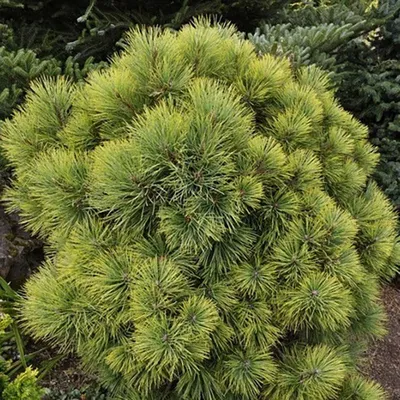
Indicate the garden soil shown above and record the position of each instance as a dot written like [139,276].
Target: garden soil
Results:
[383,362]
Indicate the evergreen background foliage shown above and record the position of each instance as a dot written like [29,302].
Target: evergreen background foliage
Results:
[92,27]
[214,227]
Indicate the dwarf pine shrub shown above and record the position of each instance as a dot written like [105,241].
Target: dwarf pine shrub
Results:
[214,230]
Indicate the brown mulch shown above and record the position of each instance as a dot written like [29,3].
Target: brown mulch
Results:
[384,355]
[67,375]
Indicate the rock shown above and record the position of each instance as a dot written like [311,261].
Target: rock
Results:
[20,253]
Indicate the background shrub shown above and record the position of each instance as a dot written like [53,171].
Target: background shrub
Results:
[215,229]
[25,385]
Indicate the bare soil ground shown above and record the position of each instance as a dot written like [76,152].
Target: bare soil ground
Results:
[383,363]
[68,375]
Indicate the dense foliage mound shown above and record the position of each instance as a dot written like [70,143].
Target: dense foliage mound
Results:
[214,229]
